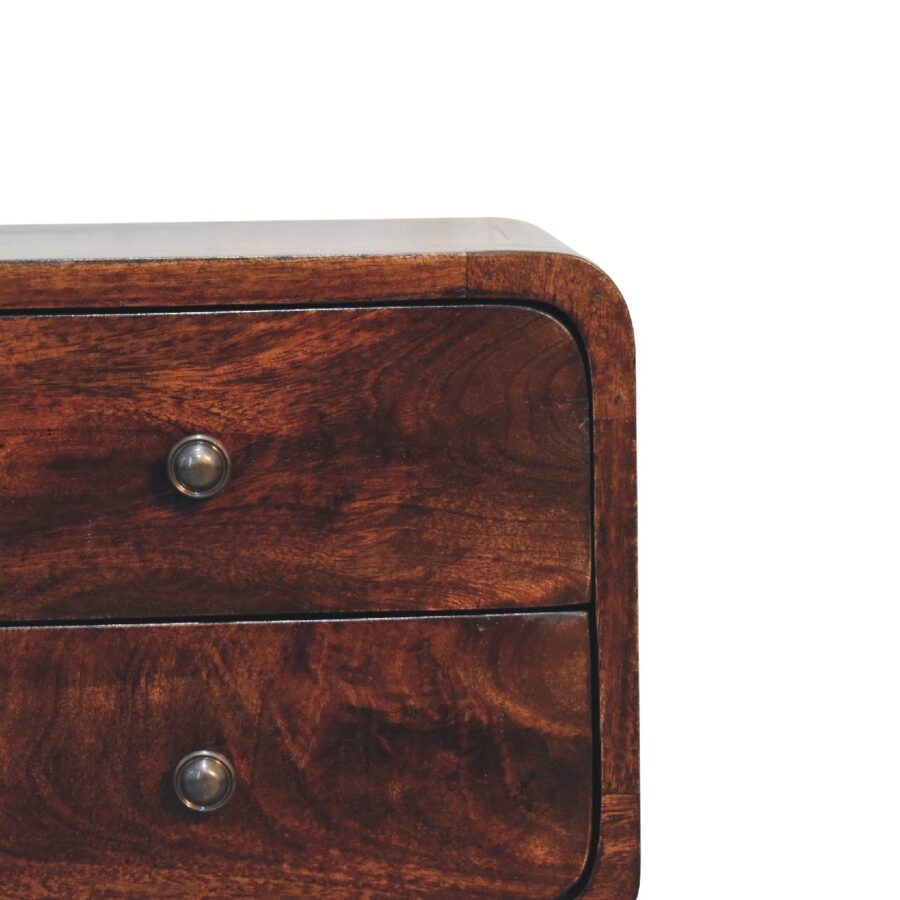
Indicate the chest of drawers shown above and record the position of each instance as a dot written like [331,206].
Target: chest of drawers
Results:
[317,563]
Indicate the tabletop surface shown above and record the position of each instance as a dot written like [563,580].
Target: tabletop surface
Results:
[257,240]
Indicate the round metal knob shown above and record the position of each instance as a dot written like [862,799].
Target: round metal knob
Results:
[204,780]
[199,466]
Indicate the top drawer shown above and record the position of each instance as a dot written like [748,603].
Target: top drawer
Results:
[395,458]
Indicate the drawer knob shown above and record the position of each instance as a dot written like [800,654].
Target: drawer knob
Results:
[199,466]
[204,780]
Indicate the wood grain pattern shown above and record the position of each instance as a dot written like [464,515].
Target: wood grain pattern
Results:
[193,264]
[411,459]
[476,270]
[210,282]
[597,312]
[617,873]
[427,757]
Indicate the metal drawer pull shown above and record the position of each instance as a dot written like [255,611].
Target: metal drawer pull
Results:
[204,780]
[199,466]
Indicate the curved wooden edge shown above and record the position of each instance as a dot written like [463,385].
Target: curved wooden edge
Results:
[592,305]
[583,297]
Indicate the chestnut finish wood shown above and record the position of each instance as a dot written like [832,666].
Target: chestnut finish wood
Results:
[486,261]
[199,264]
[214,282]
[594,306]
[431,756]
[412,459]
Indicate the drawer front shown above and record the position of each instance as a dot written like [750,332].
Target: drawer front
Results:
[437,755]
[419,458]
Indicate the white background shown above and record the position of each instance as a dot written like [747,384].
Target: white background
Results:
[734,167]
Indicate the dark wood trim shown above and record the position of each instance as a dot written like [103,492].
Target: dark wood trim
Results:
[214,282]
[617,872]
[588,299]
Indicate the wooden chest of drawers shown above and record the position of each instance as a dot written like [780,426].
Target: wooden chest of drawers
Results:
[317,563]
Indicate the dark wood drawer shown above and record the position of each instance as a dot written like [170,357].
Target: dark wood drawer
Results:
[432,755]
[392,458]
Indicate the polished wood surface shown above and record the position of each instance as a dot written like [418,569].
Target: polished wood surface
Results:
[283,263]
[63,286]
[474,271]
[418,757]
[592,304]
[386,459]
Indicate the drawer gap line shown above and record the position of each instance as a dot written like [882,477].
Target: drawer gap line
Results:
[299,617]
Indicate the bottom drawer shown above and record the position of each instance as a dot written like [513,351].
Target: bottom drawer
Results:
[433,755]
